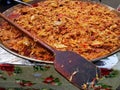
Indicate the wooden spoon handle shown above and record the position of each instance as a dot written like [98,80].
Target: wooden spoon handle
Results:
[51,49]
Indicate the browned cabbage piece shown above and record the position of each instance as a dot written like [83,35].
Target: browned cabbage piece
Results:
[89,29]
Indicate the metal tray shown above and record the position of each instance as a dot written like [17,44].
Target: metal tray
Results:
[8,11]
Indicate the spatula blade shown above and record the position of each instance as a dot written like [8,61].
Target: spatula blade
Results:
[75,68]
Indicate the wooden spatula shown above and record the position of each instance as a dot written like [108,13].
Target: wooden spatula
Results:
[72,66]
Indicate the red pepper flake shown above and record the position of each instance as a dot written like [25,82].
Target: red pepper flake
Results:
[35,5]
[60,15]
[13,15]
[84,45]
[26,51]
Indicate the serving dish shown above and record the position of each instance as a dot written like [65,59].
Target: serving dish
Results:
[7,12]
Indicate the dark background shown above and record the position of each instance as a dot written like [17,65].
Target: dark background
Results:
[5,4]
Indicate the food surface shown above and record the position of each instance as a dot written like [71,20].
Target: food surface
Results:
[89,29]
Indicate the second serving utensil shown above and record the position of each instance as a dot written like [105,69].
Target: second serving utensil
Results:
[72,66]
[24,3]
